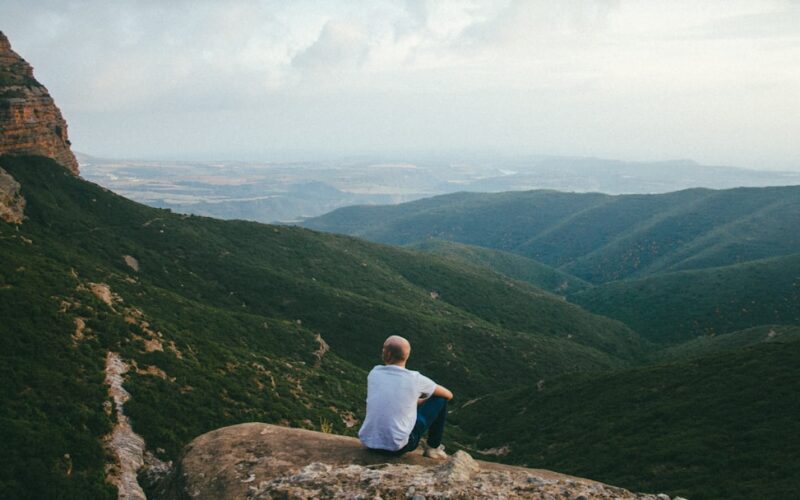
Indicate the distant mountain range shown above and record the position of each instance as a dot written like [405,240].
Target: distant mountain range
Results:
[286,192]
[593,236]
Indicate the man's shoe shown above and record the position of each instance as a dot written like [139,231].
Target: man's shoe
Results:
[437,453]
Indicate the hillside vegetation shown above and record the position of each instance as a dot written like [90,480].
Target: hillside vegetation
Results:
[675,307]
[233,321]
[596,237]
[230,321]
[509,264]
[724,426]
[704,346]
[710,280]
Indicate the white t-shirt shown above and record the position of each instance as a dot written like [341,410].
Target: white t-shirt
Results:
[392,394]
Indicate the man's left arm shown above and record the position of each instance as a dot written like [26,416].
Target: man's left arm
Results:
[441,391]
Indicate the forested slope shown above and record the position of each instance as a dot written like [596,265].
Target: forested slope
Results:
[596,237]
[225,322]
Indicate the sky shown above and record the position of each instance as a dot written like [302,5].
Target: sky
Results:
[717,82]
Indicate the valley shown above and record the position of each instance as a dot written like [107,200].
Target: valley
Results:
[225,320]
[230,321]
[645,340]
[707,279]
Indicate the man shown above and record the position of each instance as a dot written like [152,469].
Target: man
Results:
[402,405]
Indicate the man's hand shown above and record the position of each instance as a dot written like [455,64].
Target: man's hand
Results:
[443,392]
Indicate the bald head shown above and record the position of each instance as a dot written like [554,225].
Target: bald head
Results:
[396,350]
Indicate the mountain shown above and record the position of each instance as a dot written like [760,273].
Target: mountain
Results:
[30,122]
[595,237]
[221,322]
[127,331]
[720,426]
[275,190]
[618,177]
[676,307]
[509,264]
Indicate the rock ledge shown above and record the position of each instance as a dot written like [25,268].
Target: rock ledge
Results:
[260,461]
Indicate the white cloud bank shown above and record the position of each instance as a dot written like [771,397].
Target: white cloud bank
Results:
[716,81]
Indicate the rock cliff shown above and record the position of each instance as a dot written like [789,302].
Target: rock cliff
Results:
[30,122]
[261,461]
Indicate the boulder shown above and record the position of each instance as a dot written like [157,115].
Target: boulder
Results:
[261,461]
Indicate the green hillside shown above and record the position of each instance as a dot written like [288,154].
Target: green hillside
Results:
[703,346]
[676,307]
[228,322]
[724,426]
[509,264]
[503,221]
[596,237]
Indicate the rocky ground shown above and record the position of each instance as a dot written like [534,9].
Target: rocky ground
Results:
[261,461]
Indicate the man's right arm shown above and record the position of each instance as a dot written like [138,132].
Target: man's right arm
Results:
[443,392]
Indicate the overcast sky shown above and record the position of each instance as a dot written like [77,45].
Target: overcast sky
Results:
[717,82]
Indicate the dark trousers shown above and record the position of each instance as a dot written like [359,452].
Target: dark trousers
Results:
[431,416]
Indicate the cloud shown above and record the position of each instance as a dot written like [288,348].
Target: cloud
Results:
[339,45]
[573,77]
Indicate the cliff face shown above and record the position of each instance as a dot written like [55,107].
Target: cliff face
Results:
[30,122]
[261,461]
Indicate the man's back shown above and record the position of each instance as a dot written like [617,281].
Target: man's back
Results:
[392,395]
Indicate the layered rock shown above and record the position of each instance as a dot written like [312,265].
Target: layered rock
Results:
[30,122]
[261,461]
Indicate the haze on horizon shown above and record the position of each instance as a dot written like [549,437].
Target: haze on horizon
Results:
[714,81]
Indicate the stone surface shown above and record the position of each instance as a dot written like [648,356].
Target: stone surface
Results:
[12,204]
[30,122]
[123,444]
[260,461]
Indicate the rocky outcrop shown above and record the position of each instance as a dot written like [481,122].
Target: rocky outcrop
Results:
[261,461]
[30,122]
[12,204]
[123,444]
